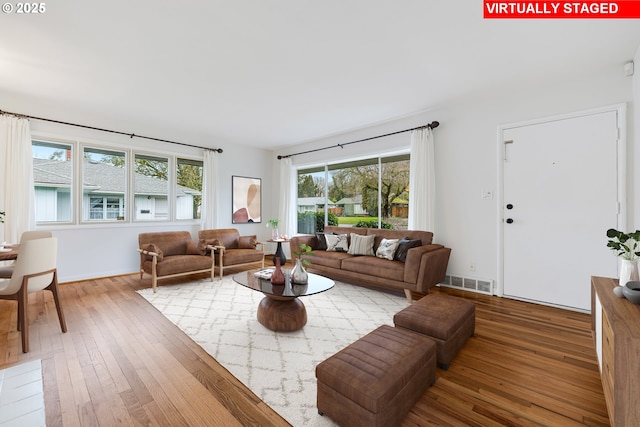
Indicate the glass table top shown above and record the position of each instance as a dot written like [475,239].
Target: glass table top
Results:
[315,284]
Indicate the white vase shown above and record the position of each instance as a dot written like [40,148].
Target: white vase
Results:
[628,271]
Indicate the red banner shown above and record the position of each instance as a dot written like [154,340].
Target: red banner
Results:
[623,9]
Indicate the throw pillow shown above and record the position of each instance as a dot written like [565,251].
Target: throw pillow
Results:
[194,248]
[247,242]
[403,247]
[387,248]
[337,242]
[151,247]
[361,245]
[322,241]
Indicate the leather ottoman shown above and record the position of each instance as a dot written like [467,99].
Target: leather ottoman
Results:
[376,380]
[449,321]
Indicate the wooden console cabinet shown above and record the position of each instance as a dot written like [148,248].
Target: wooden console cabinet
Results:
[615,323]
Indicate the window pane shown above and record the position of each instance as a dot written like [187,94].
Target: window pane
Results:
[311,200]
[53,178]
[151,182]
[188,189]
[353,191]
[104,180]
[395,192]
[358,192]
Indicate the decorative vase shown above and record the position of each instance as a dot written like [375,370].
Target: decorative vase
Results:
[275,235]
[277,277]
[628,271]
[298,273]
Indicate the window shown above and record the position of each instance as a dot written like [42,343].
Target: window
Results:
[104,184]
[151,183]
[53,181]
[370,193]
[188,189]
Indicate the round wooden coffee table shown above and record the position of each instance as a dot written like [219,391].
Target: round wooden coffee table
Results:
[281,309]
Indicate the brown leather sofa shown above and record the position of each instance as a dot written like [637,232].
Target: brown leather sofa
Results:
[232,249]
[424,266]
[172,253]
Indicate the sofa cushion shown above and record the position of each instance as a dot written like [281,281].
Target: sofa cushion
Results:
[326,259]
[403,247]
[361,245]
[337,243]
[373,266]
[247,242]
[387,248]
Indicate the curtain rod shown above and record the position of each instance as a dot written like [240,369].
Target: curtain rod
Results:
[431,125]
[130,135]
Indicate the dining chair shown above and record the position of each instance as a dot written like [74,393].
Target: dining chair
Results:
[7,271]
[35,270]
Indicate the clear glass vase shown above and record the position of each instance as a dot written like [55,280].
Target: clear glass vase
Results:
[275,235]
[298,274]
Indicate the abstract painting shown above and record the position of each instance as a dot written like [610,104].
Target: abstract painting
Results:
[247,199]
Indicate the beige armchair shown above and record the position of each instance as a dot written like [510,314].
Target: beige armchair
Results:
[6,272]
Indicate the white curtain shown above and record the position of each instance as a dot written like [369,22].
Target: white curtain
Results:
[209,214]
[287,210]
[422,182]
[17,195]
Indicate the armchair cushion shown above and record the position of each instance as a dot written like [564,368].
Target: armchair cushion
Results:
[152,247]
[247,242]
[196,247]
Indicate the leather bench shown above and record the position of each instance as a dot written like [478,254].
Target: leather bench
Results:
[376,380]
[449,321]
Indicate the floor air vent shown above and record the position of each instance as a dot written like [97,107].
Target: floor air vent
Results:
[469,284]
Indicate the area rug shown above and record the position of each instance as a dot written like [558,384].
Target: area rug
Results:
[279,367]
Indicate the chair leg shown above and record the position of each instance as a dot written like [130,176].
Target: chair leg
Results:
[23,313]
[53,287]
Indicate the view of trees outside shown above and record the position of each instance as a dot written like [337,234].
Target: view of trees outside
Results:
[189,175]
[358,193]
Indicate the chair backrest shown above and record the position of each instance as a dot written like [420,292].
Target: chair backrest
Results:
[34,256]
[34,234]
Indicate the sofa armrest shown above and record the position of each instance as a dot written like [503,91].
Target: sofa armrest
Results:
[426,266]
[303,239]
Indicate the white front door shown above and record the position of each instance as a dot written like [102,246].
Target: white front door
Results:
[560,195]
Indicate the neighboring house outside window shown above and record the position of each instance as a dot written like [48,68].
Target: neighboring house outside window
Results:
[53,181]
[104,187]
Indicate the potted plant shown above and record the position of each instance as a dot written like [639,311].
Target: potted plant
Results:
[625,246]
[298,273]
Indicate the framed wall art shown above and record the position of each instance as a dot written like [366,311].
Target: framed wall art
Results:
[247,199]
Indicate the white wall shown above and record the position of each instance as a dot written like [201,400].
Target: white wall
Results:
[467,156]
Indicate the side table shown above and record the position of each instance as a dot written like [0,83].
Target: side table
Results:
[279,252]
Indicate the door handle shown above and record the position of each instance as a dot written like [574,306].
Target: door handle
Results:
[509,220]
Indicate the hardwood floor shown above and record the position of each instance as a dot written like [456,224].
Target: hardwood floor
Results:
[123,363]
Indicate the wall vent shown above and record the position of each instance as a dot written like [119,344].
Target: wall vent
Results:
[473,284]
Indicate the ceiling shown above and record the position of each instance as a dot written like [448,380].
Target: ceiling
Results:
[280,72]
